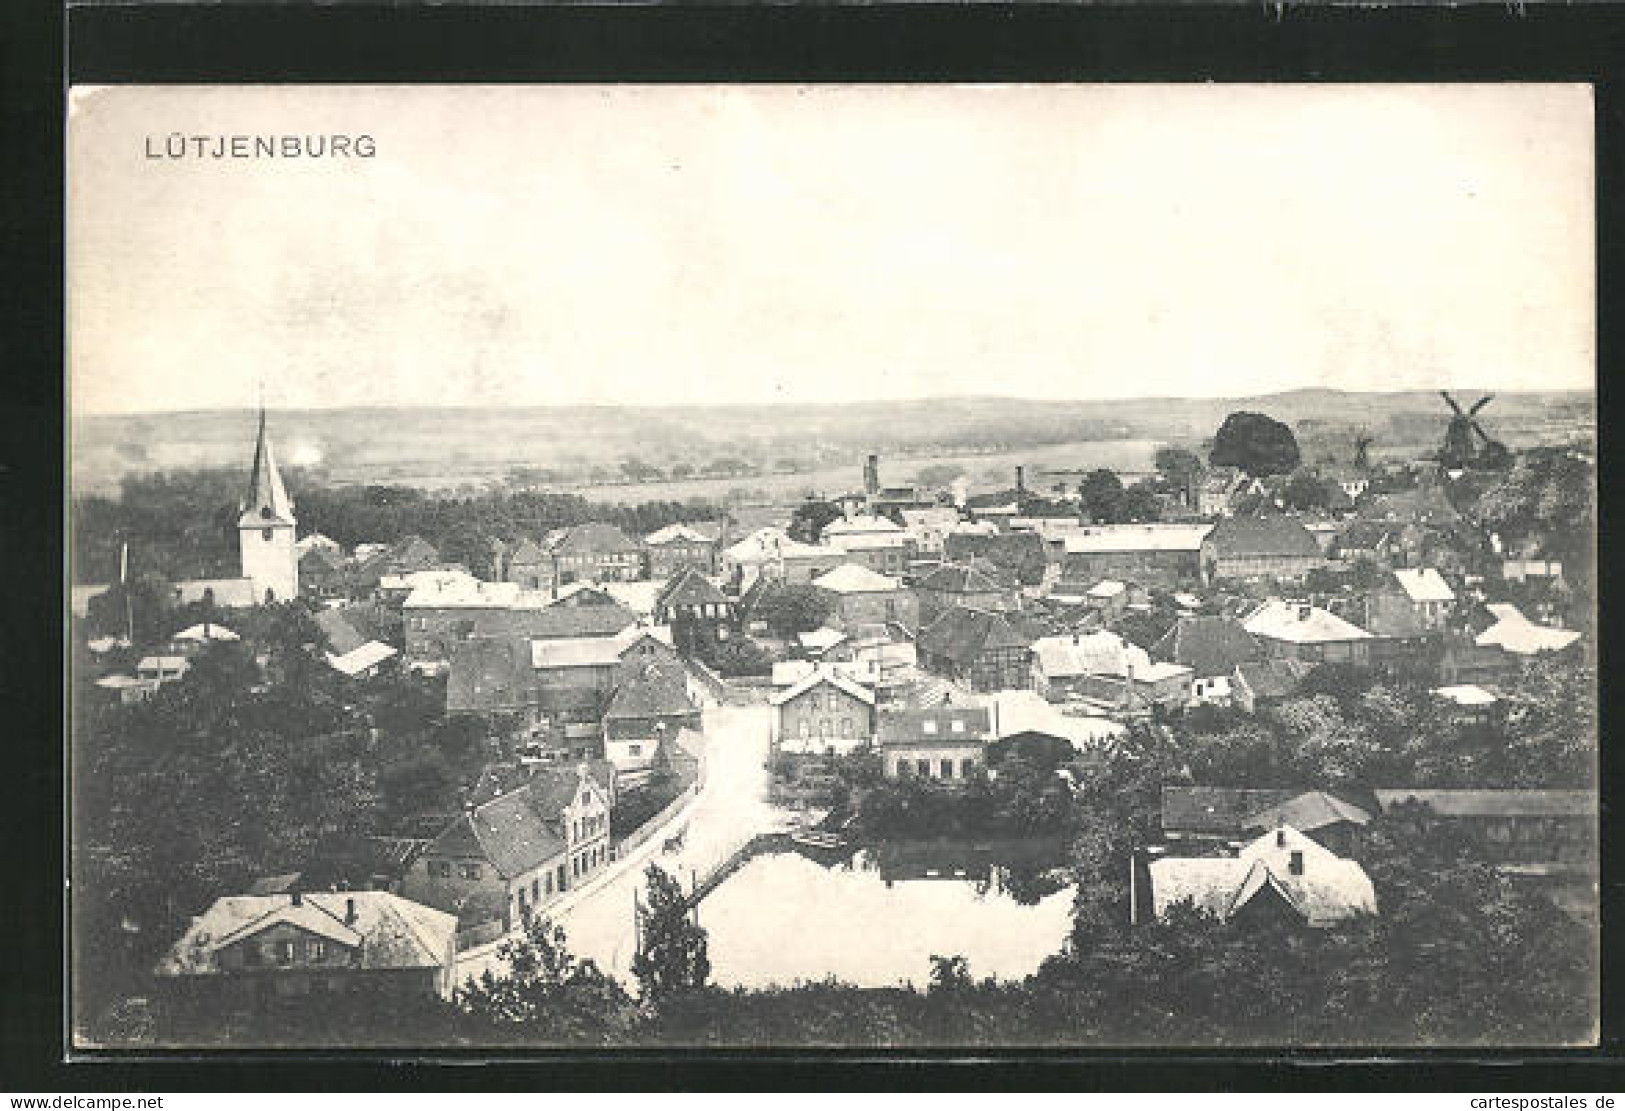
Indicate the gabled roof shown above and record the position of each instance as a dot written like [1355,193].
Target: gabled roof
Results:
[651,689]
[369,655]
[682,534]
[1308,812]
[1424,584]
[318,559]
[342,633]
[974,576]
[852,578]
[511,832]
[389,931]
[267,501]
[824,677]
[1269,535]
[204,633]
[1097,653]
[458,590]
[1328,889]
[962,633]
[1272,678]
[593,538]
[862,525]
[591,651]
[1515,633]
[821,639]
[690,588]
[1209,646]
[1300,624]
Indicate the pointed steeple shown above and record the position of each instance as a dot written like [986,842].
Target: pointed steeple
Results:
[267,503]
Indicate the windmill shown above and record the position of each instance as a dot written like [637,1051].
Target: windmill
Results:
[1461,449]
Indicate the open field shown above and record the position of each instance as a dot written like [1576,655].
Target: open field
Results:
[798,448]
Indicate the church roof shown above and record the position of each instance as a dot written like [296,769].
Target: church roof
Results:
[267,502]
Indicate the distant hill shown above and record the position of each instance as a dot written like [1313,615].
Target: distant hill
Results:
[587,445]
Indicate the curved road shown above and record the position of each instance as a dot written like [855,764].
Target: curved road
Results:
[730,809]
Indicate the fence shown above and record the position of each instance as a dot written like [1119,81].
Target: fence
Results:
[660,820]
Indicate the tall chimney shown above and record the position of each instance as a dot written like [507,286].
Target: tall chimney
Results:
[1021,479]
[871,475]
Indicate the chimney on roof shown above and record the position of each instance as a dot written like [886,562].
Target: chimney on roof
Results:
[1280,837]
[349,911]
[1295,862]
[297,896]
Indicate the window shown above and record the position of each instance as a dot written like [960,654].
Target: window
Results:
[440,869]
[548,883]
[929,726]
[535,890]
[284,952]
[469,870]
[635,750]
[317,950]
[924,767]
[958,727]
[265,534]
[806,729]
[823,728]
[846,727]
[947,769]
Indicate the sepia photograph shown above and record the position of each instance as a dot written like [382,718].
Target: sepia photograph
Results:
[880,566]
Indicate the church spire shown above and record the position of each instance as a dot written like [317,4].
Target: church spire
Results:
[267,502]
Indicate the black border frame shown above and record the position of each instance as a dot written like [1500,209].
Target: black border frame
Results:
[295,42]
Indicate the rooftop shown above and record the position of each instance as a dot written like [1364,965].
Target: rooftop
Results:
[1137,538]
[852,578]
[1300,623]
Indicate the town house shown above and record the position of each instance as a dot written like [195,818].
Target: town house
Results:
[860,596]
[1103,667]
[1156,555]
[983,650]
[251,952]
[505,859]
[824,712]
[596,551]
[1283,876]
[976,583]
[677,546]
[1309,634]
[1259,547]
[945,743]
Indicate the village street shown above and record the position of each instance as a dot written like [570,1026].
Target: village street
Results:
[731,808]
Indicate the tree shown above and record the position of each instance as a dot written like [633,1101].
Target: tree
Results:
[1178,467]
[1100,492]
[545,989]
[1139,504]
[791,608]
[671,958]
[810,518]
[1256,443]
[1305,490]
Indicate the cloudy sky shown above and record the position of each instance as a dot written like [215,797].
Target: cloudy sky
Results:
[552,245]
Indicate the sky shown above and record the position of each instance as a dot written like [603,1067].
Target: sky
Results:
[711,244]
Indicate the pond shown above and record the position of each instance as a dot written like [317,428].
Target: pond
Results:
[876,916]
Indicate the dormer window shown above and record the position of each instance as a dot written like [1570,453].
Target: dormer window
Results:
[265,534]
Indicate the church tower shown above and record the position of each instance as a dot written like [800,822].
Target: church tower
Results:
[266,527]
